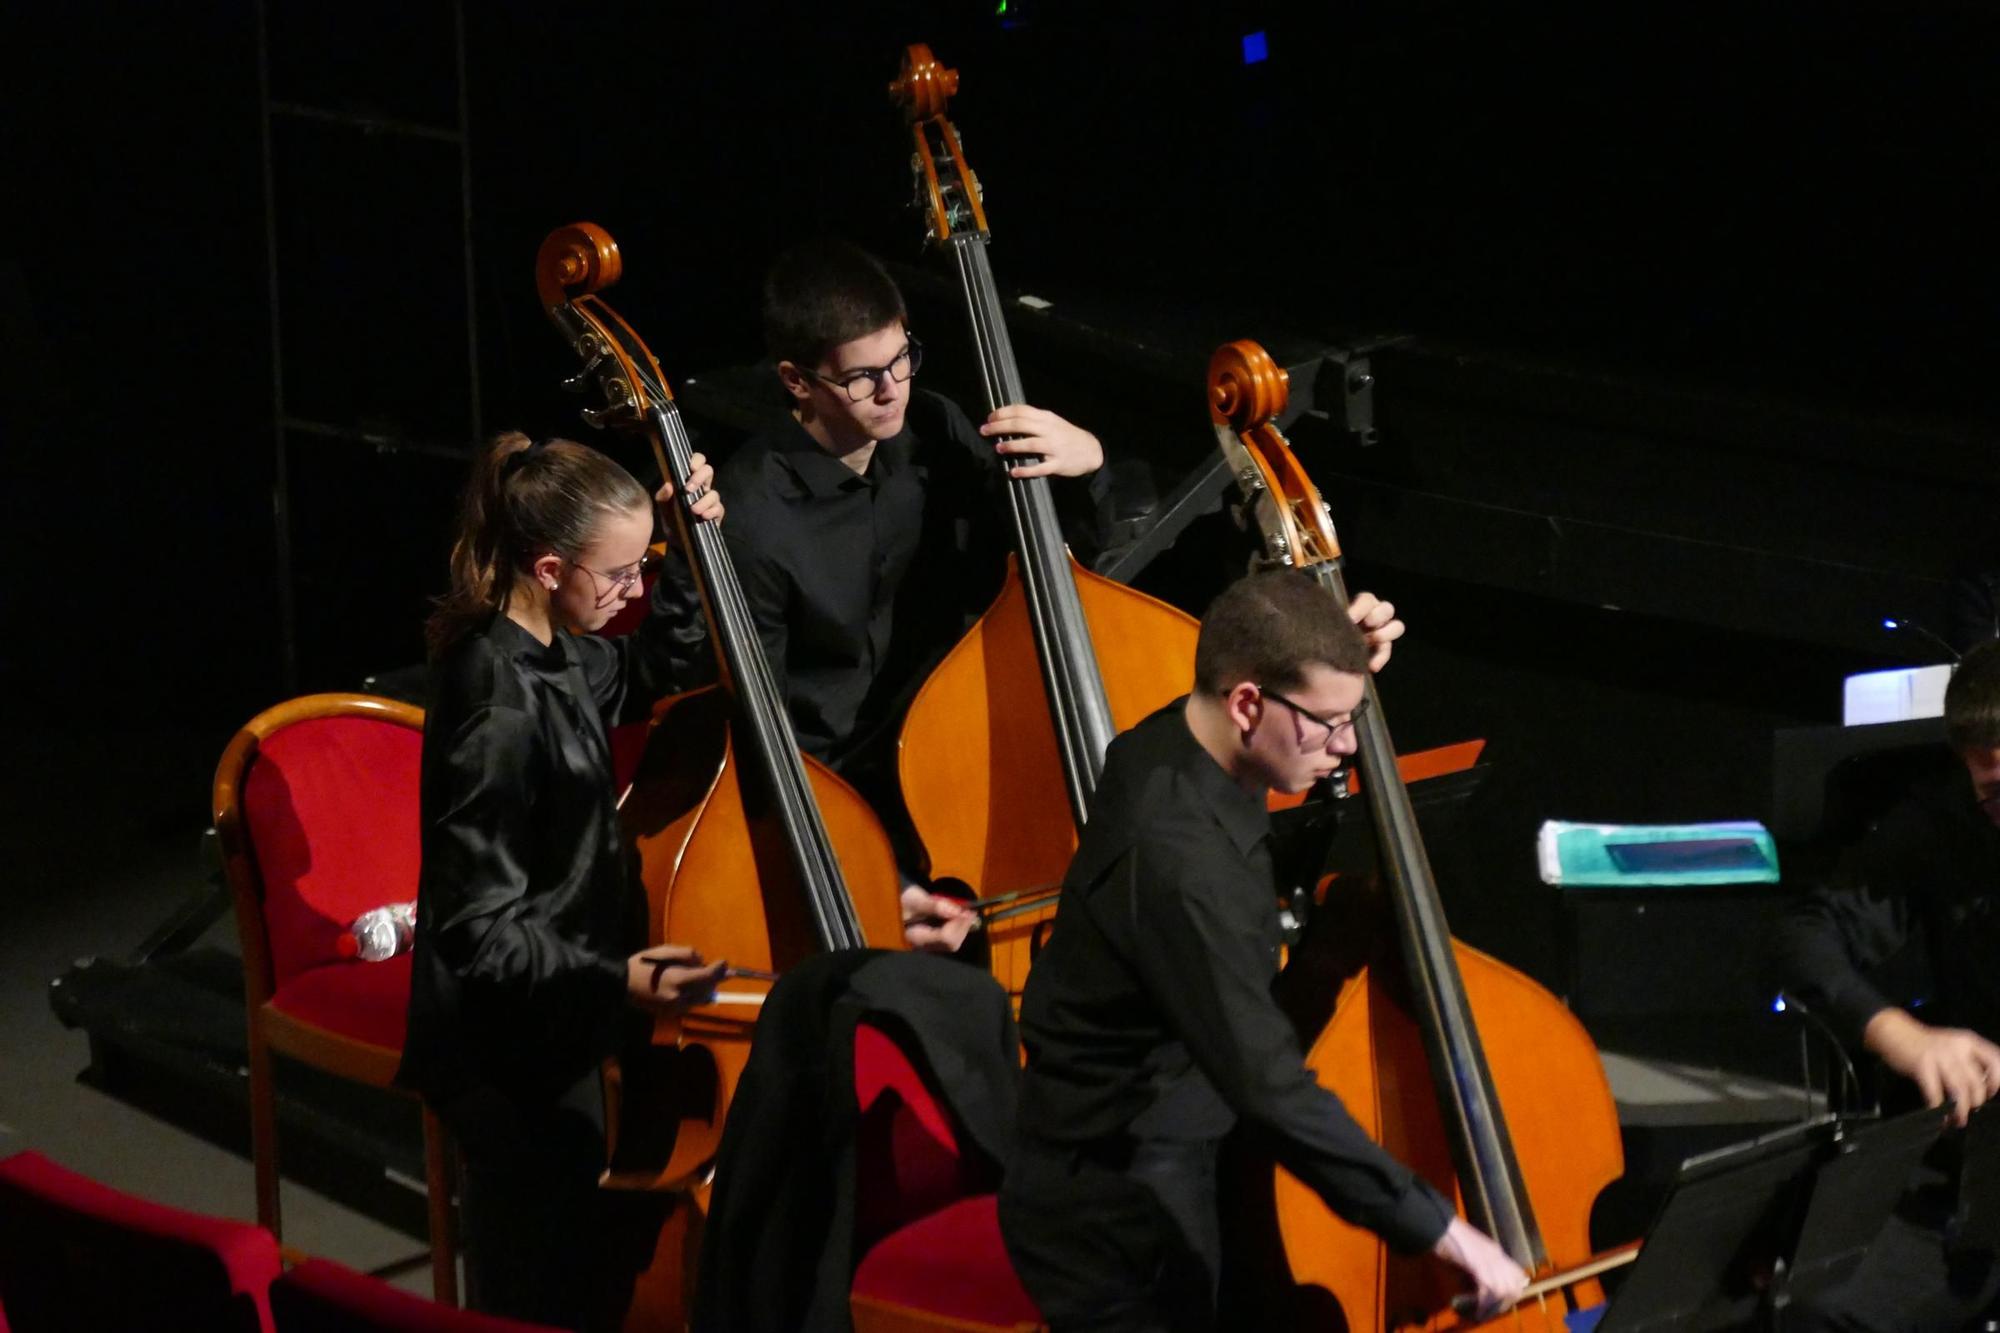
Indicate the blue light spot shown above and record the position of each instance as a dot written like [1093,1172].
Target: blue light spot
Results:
[1778,1005]
[1890,622]
[1255,48]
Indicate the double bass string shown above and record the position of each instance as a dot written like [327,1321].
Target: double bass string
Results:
[1487,1149]
[1068,660]
[839,926]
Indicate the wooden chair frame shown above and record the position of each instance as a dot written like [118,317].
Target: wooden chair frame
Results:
[271,1031]
[872,1314]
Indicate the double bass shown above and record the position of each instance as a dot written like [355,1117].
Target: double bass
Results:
[1003,745]
[1459,1065]
[748,849]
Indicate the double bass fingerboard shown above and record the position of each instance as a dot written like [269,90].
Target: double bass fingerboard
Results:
[1070,674]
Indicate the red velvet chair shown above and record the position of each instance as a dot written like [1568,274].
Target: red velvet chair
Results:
[315,801]
[75,1254]
[317,1296]
[924,1216]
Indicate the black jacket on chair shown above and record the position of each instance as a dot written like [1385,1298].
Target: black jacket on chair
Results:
[778,1250]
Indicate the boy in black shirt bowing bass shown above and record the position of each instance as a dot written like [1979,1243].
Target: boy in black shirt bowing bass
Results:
[1148,1018]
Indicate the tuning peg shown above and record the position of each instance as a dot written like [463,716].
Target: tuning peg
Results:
[580,381]
[600,417]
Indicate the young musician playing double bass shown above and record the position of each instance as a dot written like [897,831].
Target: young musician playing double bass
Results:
[1148,1018]
[867,525]
[530,942]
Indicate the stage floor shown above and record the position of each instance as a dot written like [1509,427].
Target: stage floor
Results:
[100,841]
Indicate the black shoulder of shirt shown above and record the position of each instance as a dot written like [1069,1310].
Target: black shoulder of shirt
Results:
[488,668]
[1157,775]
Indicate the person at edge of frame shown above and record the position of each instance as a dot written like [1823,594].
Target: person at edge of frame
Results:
[867,526]
[1149,1021]
[1926,877]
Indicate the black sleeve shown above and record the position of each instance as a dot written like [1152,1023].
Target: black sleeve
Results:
[476,848]
[1828,940]
[666,654]
[1203,953]
[1080,501]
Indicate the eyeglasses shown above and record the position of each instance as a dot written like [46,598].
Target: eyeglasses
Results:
[864,383]
[622,581]
[1332,729]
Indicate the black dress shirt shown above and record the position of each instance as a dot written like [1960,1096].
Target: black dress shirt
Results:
[860,582]
[527,906]
[1149,1017]
[1927,877]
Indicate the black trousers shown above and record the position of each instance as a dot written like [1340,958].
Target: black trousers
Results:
[542,1241]
[1120,1239]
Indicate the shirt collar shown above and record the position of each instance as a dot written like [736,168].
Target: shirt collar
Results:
[549,660]
[821,473]
[1243,816]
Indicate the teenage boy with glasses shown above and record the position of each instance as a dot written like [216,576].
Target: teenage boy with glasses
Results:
[868,526]
[1148,1019]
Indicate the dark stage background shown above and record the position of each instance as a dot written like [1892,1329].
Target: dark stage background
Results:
[1702,300]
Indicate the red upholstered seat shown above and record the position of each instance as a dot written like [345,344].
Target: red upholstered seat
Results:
[951,1264]
[316,804]
[321,1297]
[330,806]
[363,1001]
[75,1254]
[907,1158]
[924,1215]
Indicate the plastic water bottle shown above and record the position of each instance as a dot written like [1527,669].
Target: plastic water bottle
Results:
[380,932]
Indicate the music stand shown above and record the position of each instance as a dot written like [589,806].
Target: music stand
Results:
[1852,1196]
[1728,1211]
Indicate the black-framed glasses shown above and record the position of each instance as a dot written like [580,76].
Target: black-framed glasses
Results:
[864,383]
[1332,729]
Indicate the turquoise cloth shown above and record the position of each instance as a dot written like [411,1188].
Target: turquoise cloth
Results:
[1616,855]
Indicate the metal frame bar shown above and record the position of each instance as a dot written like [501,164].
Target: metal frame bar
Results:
[282,422]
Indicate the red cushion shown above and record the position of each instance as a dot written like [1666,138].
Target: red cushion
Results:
[950,1263]
[330,808]
[907,1160]
[77,1254]
[365,1001]
[882,1069]
[322,1297]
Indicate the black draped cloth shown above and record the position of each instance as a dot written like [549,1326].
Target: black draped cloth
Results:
[778,1251]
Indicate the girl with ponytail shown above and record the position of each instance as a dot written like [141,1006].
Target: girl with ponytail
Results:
[530,956]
